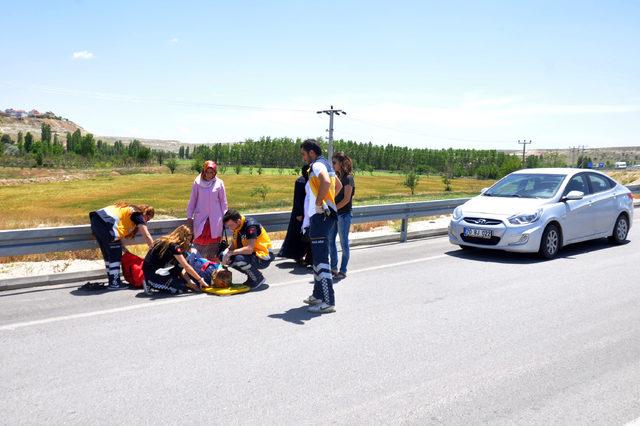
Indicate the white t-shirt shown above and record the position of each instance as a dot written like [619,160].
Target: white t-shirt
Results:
[310,199]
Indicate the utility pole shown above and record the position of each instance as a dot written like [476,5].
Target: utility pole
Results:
[524,144]
[583,149]
[331,112]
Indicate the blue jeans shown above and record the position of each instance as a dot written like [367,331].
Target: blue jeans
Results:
[319,230]
[342,228]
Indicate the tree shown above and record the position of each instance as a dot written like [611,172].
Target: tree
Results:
[20,138]
[28,142]
[181,152]
[237,168]
[186,153]
[6,139]
[411,180]
[260,171]
[262,191]
[172,164]
[447,183]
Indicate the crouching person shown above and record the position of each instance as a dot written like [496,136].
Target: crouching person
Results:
[165,267]
[114,226]
[250,248]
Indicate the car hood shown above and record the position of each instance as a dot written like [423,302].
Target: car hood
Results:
[501,206]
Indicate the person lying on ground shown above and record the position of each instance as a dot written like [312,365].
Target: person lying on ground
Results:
[165,267]
[115,226]
[250,248]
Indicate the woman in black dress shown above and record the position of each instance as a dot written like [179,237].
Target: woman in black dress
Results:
[296,245]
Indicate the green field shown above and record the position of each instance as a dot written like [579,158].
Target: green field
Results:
[66,203]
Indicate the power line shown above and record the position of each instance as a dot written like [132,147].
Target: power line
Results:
[395,129]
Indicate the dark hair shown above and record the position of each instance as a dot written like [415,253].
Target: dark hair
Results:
[346,165]
[305,171]
[231,214]
[311,145]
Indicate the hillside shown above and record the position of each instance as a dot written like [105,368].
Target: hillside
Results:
[12,125]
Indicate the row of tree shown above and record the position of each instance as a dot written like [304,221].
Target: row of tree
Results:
[79,148]
[285,152]
[282,153]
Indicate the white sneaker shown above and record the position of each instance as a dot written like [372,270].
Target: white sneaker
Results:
[312,301]
[322,308]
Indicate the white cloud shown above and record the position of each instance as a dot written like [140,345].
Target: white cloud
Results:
[83,54]
[174,40]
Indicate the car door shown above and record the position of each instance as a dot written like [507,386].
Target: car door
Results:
[577,223]
[604,203]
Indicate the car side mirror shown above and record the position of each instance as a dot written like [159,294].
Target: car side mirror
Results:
[483,190]
[573,196]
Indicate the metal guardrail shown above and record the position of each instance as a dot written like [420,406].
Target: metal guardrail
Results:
[47,240]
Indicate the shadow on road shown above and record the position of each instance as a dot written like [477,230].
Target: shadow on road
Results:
[495,256]
[296,315]
[294,268]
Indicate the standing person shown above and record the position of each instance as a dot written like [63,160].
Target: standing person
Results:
[250,248]
[344,202]
[114,224]
[207,205]
[321,212]
[165,267]
[294,245]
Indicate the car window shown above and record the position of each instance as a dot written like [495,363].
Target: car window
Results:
[599,183]
[577,183]
[526,186]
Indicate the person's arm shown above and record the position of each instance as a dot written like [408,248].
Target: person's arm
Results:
[185,265]
[246,250]
[223,198]
[347,191]
[191,207]
[146,235]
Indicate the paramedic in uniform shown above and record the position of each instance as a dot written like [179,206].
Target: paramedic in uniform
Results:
[250,248]
[321,215]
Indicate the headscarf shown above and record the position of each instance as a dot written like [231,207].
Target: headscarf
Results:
[201,180]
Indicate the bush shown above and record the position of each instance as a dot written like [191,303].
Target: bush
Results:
[237,168]
[447,183]
[262,191]
[411,180]
[172,164]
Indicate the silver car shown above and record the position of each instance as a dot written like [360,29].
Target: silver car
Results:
[542,210]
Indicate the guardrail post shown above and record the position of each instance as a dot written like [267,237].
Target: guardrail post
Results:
[404,227]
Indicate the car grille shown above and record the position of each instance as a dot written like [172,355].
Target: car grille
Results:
[482,221]
[481,241]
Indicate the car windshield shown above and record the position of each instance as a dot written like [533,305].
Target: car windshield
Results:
[521,185]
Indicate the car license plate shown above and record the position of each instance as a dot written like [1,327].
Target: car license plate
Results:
[478,233]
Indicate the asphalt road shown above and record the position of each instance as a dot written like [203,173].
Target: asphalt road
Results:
[424,334]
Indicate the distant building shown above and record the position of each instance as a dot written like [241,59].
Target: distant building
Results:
[34,113]
[16,113]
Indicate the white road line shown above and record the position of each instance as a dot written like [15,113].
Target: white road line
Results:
[180,299]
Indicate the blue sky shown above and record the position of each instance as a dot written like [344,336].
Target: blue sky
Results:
[476,74]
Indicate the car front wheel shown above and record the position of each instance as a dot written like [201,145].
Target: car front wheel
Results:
[550,243]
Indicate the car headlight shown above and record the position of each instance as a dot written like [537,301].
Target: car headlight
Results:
[457,213]
[525,218]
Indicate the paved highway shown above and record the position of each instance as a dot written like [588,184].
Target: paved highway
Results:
[424,333]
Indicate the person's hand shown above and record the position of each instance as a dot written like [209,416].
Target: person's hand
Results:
[203,284]
[299,218]
[225,259]
[319,209]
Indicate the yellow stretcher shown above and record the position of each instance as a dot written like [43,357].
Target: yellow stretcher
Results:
[227,291]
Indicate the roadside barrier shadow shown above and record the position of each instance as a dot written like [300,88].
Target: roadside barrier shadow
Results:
[496,256]
[296,316]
